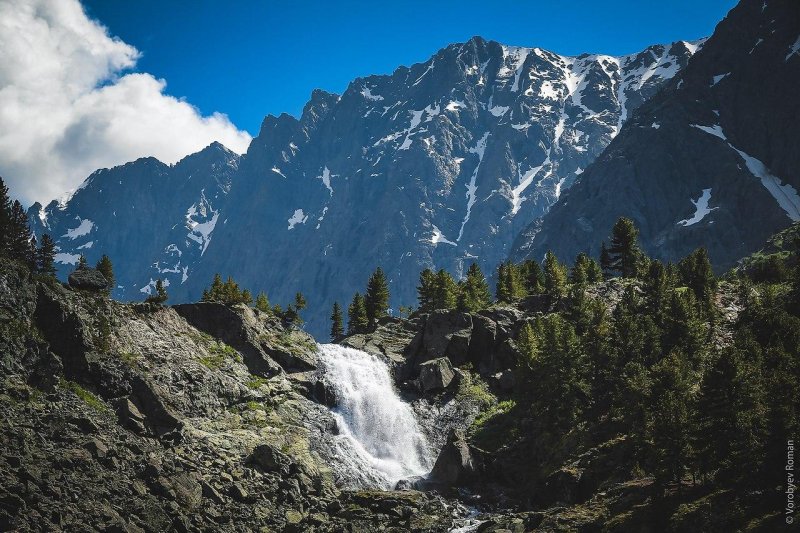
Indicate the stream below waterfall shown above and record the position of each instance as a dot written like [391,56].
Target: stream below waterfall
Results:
[378,438]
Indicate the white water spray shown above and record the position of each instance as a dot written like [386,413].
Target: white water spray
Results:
[379,437]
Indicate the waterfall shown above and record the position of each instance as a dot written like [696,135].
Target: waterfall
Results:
[379,441]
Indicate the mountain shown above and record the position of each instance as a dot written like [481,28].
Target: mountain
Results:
[711,160]
[435,165]
[152,219]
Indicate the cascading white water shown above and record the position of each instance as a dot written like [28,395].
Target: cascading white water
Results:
[379,437]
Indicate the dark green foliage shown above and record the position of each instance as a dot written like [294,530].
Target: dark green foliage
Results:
[262,303]
[555,276]
[227,293]
[376,298]
[532,277]
[445,291]
[45,256]
[105,267]
[624,255]
[5,220]
[160,296]
[425,290]
[697,274]
[473,292]
[337,322]
[509,287]
[357,321]
[585,270]
[557,388]
[605,260]
[82,262]
[19,238]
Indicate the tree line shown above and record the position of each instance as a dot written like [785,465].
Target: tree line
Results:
[655,369]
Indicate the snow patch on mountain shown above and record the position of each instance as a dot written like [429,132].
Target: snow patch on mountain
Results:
[298,217]
[701,209]
[479,149]
[83,228]
[438,237]
[326,179]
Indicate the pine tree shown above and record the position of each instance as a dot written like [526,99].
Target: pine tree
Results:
[246,297]
[624,253]
[5,221]
[376,299]
[426,290]
[580,269]
[474,292]
[670,425]
[337,323]
[19,235]
[357,315]
[555,276]
[510,287]
[532,276]
[697,274]
[160,295]
[82,262]
[527,346]
[299,301]
[45,256]
[445,291]
[105,267]
[605,260]
[262,303]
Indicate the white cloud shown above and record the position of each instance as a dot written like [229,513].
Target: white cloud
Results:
[68,107]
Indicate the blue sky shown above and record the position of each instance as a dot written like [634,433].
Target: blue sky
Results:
[250,58]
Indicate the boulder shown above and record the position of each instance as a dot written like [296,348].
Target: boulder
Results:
[89,279]
[447,334]
[436,374]
[270,459]
[455,464]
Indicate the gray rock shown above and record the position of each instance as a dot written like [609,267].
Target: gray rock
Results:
[455,464]
[88,279]
[436,374]
[447,334]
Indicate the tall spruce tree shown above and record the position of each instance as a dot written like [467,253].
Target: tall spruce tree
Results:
[426,290]
[19,235]
[262,303]
[105,267]
[5,220]
[337,322]
[555,276]
[376,299]
[357,315]
[474,292]
[510,287]
[445,291]
[45,256]
[532,277]
[625,256]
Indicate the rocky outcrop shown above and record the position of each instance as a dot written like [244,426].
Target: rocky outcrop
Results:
[456,465]
[258,337]
[436,374]
[86,278]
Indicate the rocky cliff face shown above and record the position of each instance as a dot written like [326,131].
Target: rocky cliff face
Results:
[710,161]
[436,165]
[154,220]
[128,418]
